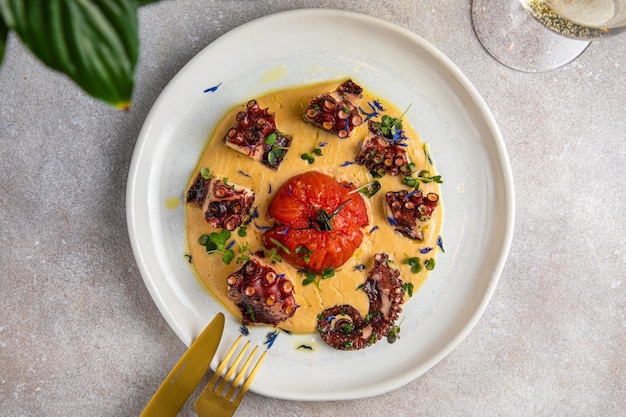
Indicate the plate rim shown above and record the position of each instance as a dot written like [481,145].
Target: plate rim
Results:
[456,74]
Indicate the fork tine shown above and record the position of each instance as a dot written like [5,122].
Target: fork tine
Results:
[223,364]
[241,374]
[233,368]
[246,384]
[224,399]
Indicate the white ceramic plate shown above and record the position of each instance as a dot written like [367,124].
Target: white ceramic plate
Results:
[309,46]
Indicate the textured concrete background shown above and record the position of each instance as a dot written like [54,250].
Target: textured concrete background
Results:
[80,335]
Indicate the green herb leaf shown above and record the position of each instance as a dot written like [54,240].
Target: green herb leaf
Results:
[415,264]
[310,277]
[220,238]
[369,190]
[393,334]
[205,173]
[243,253]
[275,256]
[271,138]
[94,42]
[4,31]
[280,245]
[305,252]
[430,264]
[328,272]
[408,288]
[228,256]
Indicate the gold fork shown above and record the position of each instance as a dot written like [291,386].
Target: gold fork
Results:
[215,400]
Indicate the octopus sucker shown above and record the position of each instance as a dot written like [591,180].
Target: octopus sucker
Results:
[263,295]
[344,328]
[256,134]
[410,212]
[336,112]
[224,205]
[384,153]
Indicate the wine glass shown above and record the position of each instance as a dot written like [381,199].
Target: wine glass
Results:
[537,35]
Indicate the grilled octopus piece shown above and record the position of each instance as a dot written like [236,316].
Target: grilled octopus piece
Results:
[344,328]
[224,205]
[383,154]
[255,133]
[408,212]
[336,112]
[263,295]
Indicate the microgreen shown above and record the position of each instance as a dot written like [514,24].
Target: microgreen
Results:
[408,288]
[280,245]
[250,312]
[216,242]
[205,173]
[275,256]
[243,253]
[393,334]
[328,272]
[423,177]
[275,152]
[368,317]
[415,264]
[316,151]
[309,277]
[242,231]
[271,138]
[369,189]
[430,264]
[305,252]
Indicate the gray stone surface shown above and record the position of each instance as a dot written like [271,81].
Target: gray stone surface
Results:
[80,335]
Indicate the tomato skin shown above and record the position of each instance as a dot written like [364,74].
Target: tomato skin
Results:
[296,208]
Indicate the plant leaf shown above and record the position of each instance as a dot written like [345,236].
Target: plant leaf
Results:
[94,42]
[4,31]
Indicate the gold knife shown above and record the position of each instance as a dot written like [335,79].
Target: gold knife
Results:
[187,373]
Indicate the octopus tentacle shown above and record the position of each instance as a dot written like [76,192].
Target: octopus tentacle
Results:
[344,328]
[336,112]
[381,154]
[263,295]
[410,211]
[224,205]
[251,132]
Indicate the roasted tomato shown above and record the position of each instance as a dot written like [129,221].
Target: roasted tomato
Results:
[318,221]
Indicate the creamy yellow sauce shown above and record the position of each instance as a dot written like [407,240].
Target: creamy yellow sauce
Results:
[379,235]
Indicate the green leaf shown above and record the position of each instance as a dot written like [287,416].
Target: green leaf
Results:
[94,42]
[4,31]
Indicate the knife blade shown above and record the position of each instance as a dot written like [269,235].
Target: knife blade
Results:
[187,373]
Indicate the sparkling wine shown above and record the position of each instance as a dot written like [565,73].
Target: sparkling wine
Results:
[581,19]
